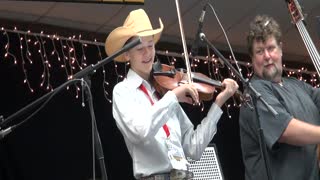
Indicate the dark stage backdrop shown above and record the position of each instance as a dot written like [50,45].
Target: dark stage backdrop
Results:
[56,142]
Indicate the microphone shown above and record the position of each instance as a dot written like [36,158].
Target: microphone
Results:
[197,40]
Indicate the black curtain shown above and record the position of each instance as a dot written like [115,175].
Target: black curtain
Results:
[56,142]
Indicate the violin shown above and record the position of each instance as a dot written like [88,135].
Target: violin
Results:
[166,78]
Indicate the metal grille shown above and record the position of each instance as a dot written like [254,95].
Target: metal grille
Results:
[207,167]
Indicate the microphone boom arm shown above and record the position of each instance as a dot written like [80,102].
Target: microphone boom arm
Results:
[245,82]
[86,71]
[81,74]
[257,96]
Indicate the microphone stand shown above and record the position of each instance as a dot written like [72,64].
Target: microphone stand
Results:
[81,74]
[97,146]
[257,96]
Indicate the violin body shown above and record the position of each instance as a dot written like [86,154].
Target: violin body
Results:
[169,78]
[165,82]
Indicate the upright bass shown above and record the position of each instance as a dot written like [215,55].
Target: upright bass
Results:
[297,18]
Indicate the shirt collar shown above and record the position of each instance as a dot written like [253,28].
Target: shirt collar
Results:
[134,81]
[255,77]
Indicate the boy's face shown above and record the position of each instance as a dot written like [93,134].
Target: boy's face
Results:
[142,56]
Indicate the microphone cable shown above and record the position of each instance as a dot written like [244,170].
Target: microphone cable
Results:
[96,142]
[42,105]
[225,35]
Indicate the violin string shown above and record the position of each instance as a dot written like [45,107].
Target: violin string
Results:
[310,46]
[306,42]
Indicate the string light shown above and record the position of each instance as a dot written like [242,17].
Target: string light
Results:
[7,47]
[25,81]
[105,84]
[28,53]
[63,51]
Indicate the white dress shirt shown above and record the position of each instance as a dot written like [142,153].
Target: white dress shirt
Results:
[141,126]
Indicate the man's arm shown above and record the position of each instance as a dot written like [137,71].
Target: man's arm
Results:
[300,133]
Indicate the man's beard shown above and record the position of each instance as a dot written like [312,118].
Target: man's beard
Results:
[272,74]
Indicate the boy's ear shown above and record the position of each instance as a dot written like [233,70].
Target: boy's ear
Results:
[126,56]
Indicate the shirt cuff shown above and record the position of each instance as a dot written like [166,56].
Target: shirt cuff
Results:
[215,111]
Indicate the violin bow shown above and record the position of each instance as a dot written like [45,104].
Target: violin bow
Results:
[186,56]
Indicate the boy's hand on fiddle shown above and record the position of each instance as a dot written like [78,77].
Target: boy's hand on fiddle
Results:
[230,87]
[187,93]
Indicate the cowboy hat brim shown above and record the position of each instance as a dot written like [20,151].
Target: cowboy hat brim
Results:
[119,36]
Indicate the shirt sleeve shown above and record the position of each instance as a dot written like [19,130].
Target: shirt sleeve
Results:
[136,118]
[195,141]
[272,126]
[314,92]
